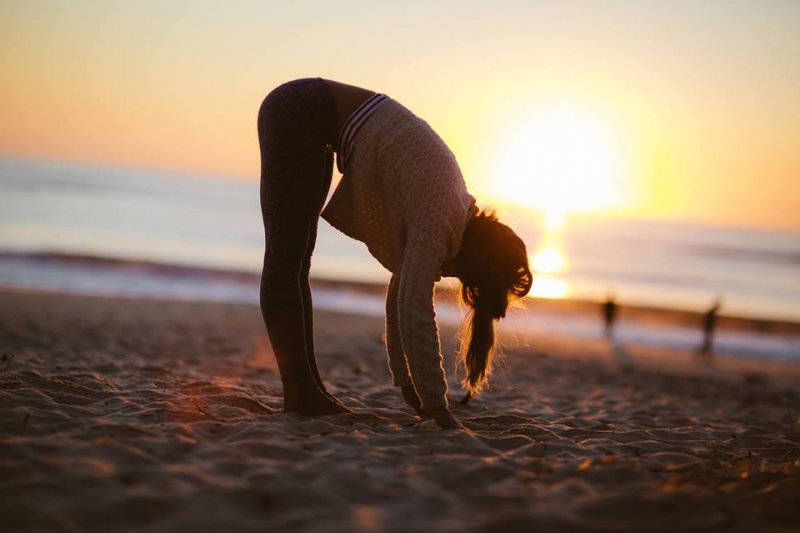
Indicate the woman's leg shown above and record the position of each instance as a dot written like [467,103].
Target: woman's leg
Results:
[305,292]
[296,165]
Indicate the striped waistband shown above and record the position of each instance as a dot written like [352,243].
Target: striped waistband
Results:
[353,124]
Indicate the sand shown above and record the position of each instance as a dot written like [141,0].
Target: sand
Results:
[126,415]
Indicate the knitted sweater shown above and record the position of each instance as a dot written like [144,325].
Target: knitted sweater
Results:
[403,195]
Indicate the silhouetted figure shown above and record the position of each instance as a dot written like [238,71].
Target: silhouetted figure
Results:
[609,316]
[709,325]
[403,195]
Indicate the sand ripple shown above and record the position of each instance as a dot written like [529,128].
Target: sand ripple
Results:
[118,415]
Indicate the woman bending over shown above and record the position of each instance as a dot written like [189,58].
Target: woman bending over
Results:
[403,195]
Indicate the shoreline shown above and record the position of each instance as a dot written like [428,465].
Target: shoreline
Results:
[573,306]
[681,363]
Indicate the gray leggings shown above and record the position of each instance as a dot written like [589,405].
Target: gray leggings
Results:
[297,131]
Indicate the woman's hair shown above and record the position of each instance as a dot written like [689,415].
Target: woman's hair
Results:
[493,268]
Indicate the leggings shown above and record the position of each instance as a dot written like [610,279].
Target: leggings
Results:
[297,131]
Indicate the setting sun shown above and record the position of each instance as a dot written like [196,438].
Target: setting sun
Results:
[548,260]
[377,266]
[559,158]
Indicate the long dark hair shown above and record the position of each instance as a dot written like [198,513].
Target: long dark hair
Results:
[493,269]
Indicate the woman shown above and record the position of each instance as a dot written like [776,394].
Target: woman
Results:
[403,195]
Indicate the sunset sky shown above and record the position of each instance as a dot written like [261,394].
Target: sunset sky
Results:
[681,110]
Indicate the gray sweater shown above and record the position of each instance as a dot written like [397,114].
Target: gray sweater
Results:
[403,195]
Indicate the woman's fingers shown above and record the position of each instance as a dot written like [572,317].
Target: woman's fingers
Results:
[445,419]
[442,415]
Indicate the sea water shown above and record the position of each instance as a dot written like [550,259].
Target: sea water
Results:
[216,223]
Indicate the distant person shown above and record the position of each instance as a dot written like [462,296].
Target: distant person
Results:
[709,325]
[609,316]
[403,195]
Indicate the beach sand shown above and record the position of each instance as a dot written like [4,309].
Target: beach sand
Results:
[137,415]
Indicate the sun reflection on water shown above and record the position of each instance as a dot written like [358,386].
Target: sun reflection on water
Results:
[547,261]
[549,287]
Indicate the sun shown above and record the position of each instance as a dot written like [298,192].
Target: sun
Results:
[559,157]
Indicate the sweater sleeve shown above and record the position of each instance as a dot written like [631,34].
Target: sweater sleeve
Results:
[418,329]
[394,346]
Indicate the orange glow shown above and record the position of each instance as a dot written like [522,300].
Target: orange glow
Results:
[556,108]
[548,260]
[560,158]
[548,287]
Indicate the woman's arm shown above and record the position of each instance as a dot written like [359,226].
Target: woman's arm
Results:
[394,344]
[419,332]
[418,329]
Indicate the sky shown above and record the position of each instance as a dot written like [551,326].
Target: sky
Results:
[676,110]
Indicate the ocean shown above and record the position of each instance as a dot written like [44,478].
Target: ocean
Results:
[215,223]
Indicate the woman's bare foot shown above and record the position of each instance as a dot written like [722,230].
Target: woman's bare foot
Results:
[305,398]
[321,386]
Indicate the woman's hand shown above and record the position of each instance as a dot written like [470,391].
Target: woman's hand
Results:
[411,398]
[442,415]
[445,419]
